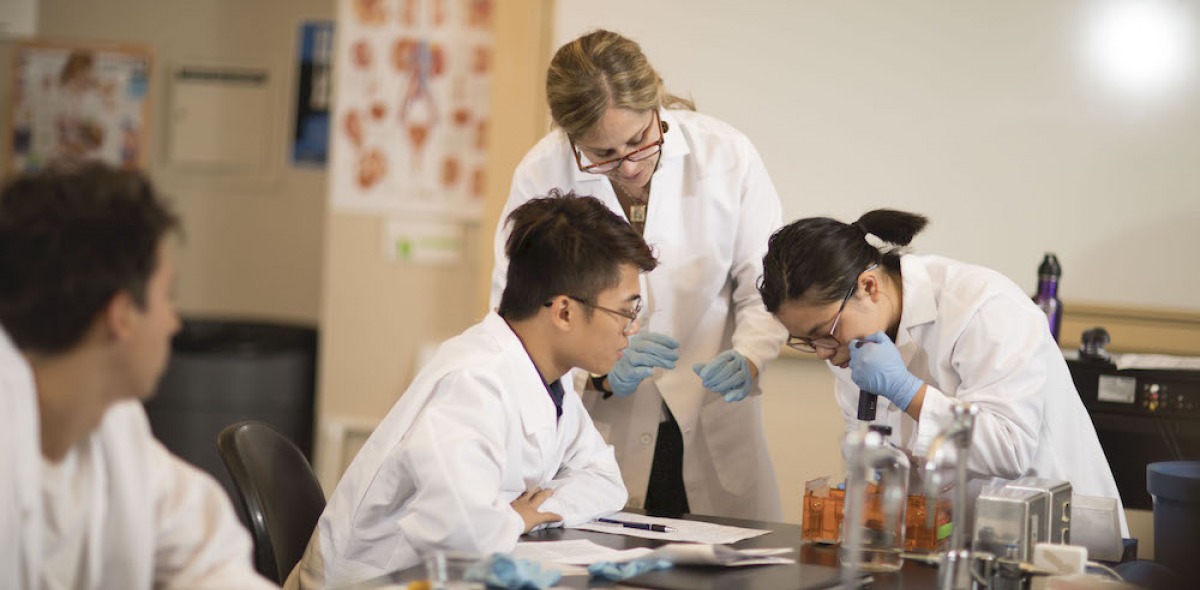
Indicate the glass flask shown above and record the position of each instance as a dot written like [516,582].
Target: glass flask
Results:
[873,528]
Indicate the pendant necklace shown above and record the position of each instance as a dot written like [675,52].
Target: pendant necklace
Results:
[637,207]
[637,213]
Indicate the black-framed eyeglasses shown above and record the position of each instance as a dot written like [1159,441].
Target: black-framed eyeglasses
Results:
[830,342]
[639,155]
[631,315]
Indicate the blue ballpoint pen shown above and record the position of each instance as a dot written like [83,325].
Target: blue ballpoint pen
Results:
[658,528]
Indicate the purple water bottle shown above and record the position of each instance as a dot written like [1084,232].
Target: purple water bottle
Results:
[1047,294]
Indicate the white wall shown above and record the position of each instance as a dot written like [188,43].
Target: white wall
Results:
[985,116]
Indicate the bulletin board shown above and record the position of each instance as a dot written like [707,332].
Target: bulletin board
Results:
[411,106]
[78,101]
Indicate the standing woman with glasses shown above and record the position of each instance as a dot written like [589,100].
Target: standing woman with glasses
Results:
[682,407]
[926,332]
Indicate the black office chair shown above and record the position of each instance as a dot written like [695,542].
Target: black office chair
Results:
[278,491]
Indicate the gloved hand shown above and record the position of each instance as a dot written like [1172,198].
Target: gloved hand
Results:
[503,571]
[876,367]
[646,350]
[727,373]
[615,572]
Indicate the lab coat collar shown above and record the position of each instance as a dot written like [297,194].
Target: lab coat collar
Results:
[529,390]
[675,147]
[919,305]
[18,386]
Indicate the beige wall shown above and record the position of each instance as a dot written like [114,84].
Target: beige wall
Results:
[377,314]
[803,425]
[520,115]
[253,246]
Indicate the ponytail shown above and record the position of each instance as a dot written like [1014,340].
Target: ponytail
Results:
[891,226]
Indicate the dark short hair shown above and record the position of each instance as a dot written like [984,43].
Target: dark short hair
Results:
[70,240]
[817,259]
[563,244]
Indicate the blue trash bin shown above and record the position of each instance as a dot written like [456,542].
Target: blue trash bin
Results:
[1175,487]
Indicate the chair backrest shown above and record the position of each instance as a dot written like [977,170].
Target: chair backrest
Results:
[279,493]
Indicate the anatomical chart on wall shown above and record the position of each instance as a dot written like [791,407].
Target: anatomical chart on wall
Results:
[410,106]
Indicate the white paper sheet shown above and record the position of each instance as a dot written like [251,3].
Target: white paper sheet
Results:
[569,555]
[685,530]
[578,552]
[697,554]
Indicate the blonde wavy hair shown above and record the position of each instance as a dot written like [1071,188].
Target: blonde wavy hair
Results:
[599,70]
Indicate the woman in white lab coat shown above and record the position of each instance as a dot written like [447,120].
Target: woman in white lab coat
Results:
[683,407]
[926,332]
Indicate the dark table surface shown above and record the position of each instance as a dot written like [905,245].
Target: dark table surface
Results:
[912,576]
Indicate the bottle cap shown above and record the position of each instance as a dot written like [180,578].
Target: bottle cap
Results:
[882,429]
[1049,266]
[1092,343]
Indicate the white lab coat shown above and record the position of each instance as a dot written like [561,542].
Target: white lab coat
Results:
[475,430]
[972,335]
[712,208]
[154,521]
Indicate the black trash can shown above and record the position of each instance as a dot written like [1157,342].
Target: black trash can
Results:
[1175,487]
[223,372]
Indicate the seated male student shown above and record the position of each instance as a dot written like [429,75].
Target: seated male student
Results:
[88,497]
[490,441]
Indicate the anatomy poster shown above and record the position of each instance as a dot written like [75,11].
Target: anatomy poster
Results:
[75,102]
[410,107]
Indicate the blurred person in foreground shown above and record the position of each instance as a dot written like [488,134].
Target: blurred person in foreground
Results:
[88,497]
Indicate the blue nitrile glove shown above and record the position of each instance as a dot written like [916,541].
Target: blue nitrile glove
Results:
[876,367]
[646,350]
[502,571]
[727,374]
[615,572]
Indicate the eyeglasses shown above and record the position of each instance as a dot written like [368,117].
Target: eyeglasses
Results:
[641,154]
[829,342]
[631,315]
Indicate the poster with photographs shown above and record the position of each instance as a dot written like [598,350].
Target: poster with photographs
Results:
[76,102]
[411,106]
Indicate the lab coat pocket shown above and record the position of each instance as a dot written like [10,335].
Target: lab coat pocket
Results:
[729,433]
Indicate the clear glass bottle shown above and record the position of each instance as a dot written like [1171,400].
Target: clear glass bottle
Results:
[1046,297]
[876,500]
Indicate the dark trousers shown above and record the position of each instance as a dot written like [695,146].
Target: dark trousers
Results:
[665,494]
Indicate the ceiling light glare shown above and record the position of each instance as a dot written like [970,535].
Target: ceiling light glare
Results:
[1140,47]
